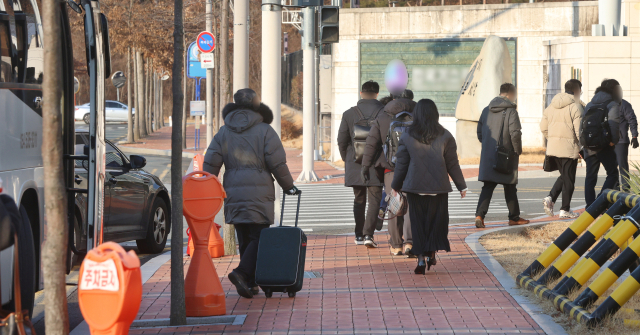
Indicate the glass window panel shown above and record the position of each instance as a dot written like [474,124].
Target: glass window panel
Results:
[5,53]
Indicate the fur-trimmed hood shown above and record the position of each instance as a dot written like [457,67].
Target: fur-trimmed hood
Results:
[240,118]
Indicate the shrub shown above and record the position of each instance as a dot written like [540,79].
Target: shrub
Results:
[289,130]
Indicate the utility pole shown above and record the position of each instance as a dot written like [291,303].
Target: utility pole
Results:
[229,230]
[241,45]
[308,95]
[209,77]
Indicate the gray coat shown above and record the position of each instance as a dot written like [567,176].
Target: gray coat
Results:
[251,152]
[425,168]
[614,117]
[488,134]
[368,107]
[380,129]
[627,122]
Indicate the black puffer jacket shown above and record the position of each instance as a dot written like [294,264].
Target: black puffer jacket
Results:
[251,152]
[425,168]
[489,134]
[380,130]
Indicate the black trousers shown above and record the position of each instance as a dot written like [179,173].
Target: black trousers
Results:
[565,184]
[510,195]
[622,154]
[607,157]
[248,237]
[366,225]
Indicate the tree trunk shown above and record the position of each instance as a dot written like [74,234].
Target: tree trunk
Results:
[217,109]
[224,53]
[140,95]
[156,124]
[129,100]
[162,102]
[55,193]
[147,90]
[136,126]
[178,309]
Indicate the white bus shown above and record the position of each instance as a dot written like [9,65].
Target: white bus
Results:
[21,166]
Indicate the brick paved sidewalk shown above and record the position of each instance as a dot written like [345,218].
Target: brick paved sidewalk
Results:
[364,291]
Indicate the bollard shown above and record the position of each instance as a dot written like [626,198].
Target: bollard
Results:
[202,200]
[216,244]
[110,289]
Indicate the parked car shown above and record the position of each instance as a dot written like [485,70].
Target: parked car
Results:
[136,203]
[114,111]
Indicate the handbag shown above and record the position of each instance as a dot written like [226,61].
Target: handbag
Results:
[396,205]
[504,157]
[549,164]
[18,322]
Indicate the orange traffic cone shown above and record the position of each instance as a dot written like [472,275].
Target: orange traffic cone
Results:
[202,200]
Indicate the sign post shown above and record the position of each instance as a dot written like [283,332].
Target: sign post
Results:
[206,43]
[118,79]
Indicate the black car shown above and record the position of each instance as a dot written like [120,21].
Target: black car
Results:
[136,203]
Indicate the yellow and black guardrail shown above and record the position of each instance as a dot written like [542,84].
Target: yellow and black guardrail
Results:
[624,227]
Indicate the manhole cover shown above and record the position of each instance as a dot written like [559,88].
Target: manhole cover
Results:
[312,274]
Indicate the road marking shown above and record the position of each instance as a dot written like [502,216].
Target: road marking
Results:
[154,171]
[164,173]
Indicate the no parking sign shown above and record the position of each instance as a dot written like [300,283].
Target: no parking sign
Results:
[206,42]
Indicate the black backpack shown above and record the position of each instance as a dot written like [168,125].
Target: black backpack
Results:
[400,124]
[596,133]
[360,132]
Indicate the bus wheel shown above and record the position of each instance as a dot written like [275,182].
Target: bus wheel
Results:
[86,118]
[26,253]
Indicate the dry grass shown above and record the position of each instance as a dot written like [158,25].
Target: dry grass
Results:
[515,252]
[529,156]
[291,127]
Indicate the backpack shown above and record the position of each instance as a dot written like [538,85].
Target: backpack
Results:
[360,132]
[596,133]
[400,124]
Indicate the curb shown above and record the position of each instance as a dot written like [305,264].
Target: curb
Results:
[153,152]
[508,283]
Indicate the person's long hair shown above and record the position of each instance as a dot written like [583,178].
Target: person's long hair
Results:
[425,127]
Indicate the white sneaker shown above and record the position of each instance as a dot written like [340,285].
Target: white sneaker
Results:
[547,204]
[568,214]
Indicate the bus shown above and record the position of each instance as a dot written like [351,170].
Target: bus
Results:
[21,164]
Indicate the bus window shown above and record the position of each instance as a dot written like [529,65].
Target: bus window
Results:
[33,40]
[5,52]
[19,64]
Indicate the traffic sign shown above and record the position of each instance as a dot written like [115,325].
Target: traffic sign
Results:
[206,61]
[194,68]
[118,79]
[197,108]
[206,42]
[76,85]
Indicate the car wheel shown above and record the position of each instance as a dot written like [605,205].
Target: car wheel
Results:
[26,254]
[157,229]
[86,118]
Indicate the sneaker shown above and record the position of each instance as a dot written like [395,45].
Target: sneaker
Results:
[241,284]
[547,204]
[518,222]
[395,251]
[369,242]
[479,222]
[359,240]
[568,214]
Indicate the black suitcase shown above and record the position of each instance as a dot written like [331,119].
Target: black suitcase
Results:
[281,256]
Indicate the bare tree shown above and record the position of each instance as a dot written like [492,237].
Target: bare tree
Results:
[178,308]
[129,100]
[140,95]
[55,193]
[136,126]
[147,101]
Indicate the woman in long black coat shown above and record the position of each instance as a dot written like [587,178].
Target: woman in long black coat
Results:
[427,156]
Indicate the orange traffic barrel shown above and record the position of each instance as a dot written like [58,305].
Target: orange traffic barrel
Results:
[202,199]
[110,289]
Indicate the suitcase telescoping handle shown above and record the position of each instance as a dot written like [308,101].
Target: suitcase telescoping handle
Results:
[297,208]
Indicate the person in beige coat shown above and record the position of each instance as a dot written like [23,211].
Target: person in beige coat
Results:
[560,126]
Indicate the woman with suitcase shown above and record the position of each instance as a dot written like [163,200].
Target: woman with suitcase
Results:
[427,156]
[253,156]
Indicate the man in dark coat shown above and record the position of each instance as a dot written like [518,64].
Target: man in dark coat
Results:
[628,122]
[608,94]
[252,152]
[501,110]
[369,107]
[399,228]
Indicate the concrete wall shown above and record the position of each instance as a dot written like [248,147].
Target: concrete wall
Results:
[531,24]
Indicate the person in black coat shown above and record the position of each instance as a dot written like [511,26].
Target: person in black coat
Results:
[628,122]
[253,156]
[427,156]
[369,107]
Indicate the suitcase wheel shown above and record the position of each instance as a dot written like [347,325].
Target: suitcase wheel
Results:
[268,293]
[292,294]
